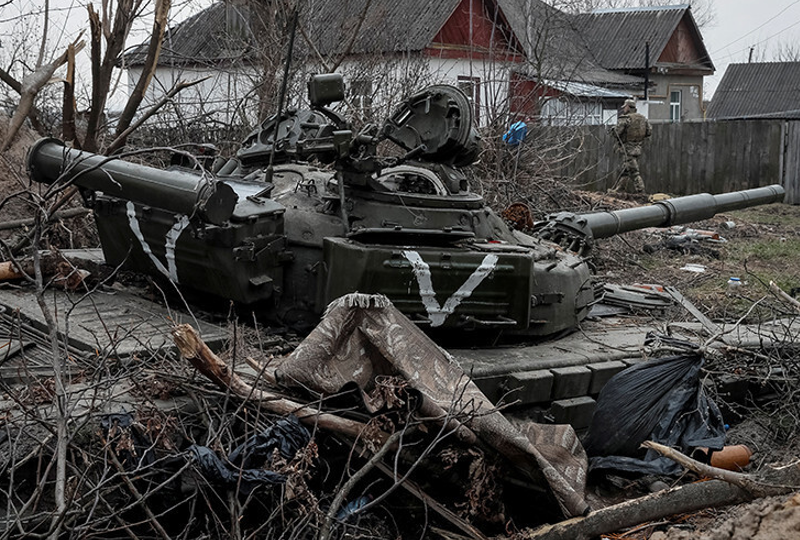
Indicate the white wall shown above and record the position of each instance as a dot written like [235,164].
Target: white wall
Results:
[228,95]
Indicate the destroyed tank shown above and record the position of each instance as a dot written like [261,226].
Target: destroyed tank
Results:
[307,211]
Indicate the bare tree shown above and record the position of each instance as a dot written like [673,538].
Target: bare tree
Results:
[786,51]
[109,31]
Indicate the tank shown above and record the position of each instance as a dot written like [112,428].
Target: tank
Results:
[308,210]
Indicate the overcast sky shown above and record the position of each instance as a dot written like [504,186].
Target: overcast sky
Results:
[742,24]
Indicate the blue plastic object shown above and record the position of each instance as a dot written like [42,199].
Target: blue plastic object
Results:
[516,133]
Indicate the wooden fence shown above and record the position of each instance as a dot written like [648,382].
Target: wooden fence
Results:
[687,158]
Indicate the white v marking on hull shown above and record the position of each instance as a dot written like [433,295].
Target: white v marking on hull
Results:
[422,271]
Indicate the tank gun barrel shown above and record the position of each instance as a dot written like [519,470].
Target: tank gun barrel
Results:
[178,191]
[679,211]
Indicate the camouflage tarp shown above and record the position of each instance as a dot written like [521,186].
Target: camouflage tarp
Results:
[361,337]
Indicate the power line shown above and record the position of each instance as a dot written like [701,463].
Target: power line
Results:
[758,27]
[762,41]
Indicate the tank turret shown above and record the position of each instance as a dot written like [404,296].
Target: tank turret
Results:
[308,211]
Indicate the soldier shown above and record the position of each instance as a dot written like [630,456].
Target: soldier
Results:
[632,128]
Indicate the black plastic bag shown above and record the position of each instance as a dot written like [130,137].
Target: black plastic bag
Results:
[287,436]
[218,473]
[242,467]
[660,400]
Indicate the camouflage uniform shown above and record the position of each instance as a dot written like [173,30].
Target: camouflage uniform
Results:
[631,130]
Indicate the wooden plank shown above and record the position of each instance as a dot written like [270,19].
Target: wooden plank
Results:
[675,156]
[685,134]
[791,160]
[710,141]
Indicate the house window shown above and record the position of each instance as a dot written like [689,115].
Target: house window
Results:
[361,95]
[571,112]
[675,106]
[594,113]
[471,86]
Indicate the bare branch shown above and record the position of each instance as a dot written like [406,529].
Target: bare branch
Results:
[784,297]
[119,142]
[31,84]
[149,67]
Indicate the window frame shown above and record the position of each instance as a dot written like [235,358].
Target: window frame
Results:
[675,107]
[471,86]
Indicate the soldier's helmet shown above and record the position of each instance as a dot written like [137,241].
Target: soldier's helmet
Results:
[630,104]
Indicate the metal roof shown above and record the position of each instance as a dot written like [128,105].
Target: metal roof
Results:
[758,90]
[388,25]
[222,31]
[586,90]
[639,8]
[554,48]
[617,37]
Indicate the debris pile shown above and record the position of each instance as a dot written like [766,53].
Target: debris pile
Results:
[366,418]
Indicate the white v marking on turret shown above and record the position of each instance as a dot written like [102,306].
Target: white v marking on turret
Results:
[422,271]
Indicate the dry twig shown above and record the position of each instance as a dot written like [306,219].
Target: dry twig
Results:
[193,349]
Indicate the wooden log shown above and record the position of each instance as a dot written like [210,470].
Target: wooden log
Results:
[9,271]
[784,297]
[29,222]
[193,349]
[680,500]
[684,499]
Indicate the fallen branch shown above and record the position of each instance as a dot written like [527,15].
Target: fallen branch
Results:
[142,501]
[374,461]
[467,528]
[684,499]
[680,500]
[752,485]
[193,349]
[66,214]
[51,217]
[9,271]
[265,372]
[784,297]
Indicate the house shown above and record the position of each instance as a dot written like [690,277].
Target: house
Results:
[509,56]
[561,82]
[758,90]
[386,49]
[661,44]
[513,58]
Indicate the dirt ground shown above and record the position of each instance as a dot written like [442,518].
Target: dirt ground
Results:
[757,245]
[775,518]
